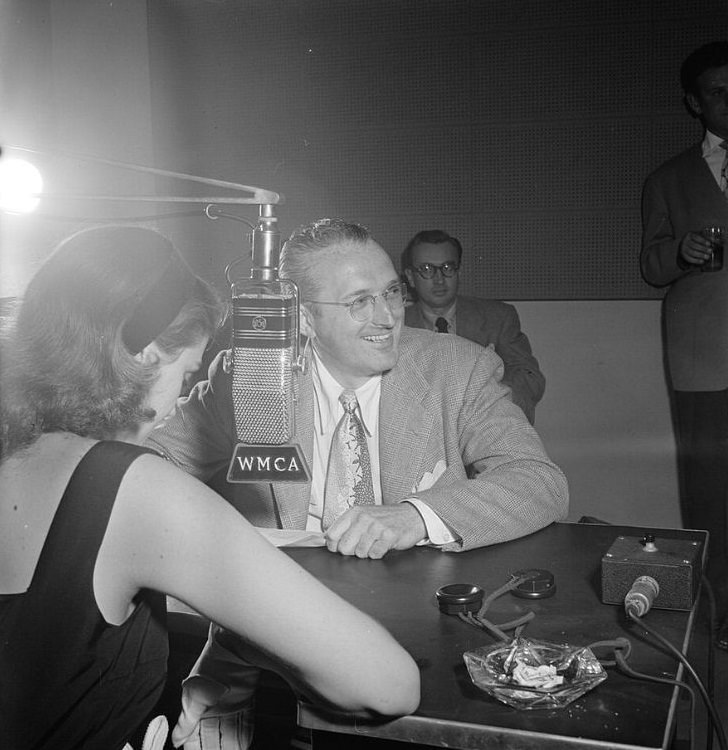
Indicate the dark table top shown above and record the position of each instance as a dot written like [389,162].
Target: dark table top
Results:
[399,591]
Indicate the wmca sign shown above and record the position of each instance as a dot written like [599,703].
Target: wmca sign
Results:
[268,463]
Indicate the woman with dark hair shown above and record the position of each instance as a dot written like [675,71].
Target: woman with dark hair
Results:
[95,529]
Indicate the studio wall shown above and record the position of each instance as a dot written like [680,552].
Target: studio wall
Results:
[525,128]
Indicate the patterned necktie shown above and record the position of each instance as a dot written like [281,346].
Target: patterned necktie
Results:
[349,474]
[724,170]
[441,325]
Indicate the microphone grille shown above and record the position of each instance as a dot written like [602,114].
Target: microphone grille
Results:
[263,394]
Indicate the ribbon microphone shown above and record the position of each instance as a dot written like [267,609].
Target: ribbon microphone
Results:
[265,364]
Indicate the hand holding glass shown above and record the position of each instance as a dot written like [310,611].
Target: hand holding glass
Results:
[716,237]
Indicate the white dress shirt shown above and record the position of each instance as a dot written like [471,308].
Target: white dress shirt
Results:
[327,415]
[714,155]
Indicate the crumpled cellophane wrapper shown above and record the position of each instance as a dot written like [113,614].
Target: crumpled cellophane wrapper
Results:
[528,674]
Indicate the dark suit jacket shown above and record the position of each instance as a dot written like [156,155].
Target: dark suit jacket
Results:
[492,322]
[442,404]
[680,196]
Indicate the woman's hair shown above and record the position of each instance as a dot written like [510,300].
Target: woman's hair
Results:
[69,361]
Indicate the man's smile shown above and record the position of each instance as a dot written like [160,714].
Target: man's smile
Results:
[381,338]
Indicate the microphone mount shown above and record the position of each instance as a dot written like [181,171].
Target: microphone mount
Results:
[266,245]
[259,196]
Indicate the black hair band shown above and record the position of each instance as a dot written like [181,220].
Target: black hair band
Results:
[161,304]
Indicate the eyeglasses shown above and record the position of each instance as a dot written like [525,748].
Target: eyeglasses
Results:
[428,270]
[362,308]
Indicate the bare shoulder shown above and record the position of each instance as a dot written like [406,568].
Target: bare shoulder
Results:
[33,479]
[32,483]
[157,501]
[152,481]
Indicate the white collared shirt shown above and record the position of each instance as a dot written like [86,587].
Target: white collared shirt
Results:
[430,316]
[327,413]
[714,155]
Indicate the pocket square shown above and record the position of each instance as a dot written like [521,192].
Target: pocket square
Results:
[429,478]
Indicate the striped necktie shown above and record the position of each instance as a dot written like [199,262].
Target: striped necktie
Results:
[724,170]
[349,473]
[441,325]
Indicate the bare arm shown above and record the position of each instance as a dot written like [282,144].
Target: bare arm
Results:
[170,533]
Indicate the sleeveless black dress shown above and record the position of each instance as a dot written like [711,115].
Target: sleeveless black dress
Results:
[69,679]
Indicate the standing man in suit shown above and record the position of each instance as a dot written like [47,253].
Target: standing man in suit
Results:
[681,197]
[441,456]
[431,263]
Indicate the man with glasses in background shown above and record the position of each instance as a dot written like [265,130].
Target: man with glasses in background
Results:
[437,452]
[431,262]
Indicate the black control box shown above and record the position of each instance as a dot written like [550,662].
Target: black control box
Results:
[676,565]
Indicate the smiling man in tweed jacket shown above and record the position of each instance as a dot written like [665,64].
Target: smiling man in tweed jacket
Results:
[454,462]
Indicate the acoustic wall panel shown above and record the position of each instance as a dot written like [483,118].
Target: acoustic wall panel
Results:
[414,171]
[524,127]
[559,166]
[575,255]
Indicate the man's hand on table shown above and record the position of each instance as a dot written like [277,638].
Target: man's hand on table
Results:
[372,530]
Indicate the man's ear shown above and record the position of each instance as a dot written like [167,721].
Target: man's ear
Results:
[305,323]
[410,277]
[692,105]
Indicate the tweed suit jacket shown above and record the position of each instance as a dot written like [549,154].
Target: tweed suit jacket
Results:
[493,322]
[680,196]
[441,404]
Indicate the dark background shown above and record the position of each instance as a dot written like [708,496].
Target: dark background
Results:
[525,128]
